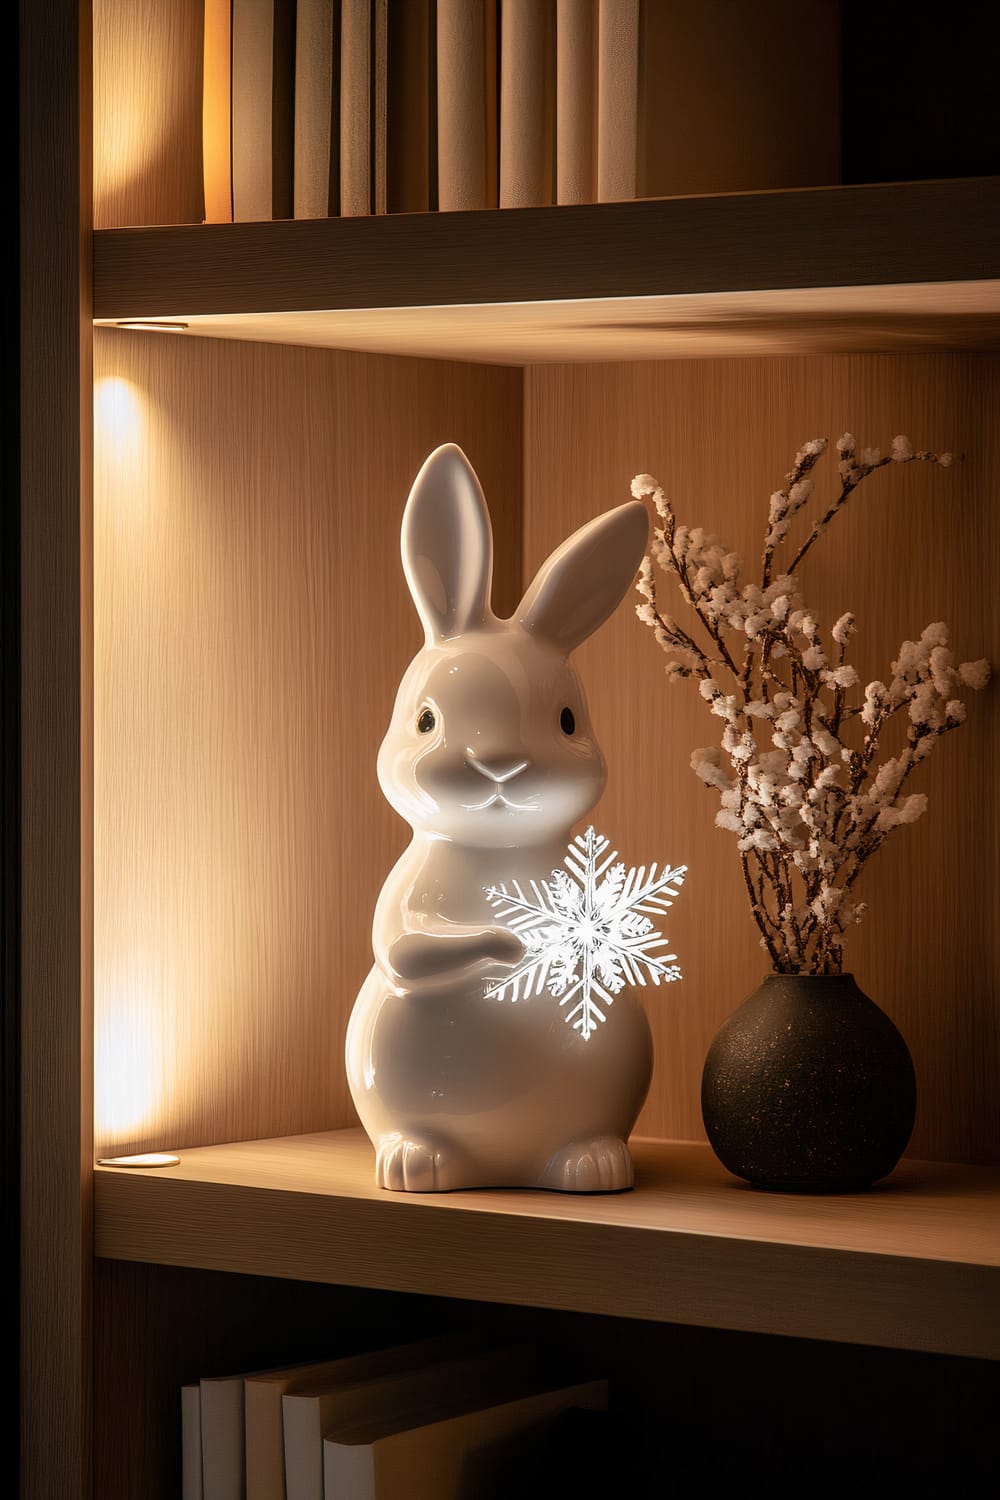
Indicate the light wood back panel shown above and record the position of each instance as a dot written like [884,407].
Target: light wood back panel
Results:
[148,65]
[251,627]
[917,544]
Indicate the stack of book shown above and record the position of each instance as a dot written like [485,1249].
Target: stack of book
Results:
[315,108]
[439,1419]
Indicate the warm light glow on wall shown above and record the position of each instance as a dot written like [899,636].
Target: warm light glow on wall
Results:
[128,1070]
[117,412]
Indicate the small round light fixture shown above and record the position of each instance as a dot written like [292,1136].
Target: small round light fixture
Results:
[145,1159]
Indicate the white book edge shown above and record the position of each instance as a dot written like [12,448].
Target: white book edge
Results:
[222,1438]
[191,1485]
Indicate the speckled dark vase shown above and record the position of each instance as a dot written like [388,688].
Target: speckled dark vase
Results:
[808,1087]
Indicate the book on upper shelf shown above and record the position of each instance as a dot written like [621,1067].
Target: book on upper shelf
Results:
[527,83]
[216,112]
[263,85]
[316,176]
[466,104]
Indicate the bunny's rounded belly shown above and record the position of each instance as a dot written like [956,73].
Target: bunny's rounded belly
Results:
[495,1089]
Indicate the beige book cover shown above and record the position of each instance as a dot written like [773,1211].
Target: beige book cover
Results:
[355,107]
[222,1455]
[263,85]
[466,104]
[617,99]
[316,177]
[527,81]
[483,1454]
[403,1395]
[264,1389]
[576,97]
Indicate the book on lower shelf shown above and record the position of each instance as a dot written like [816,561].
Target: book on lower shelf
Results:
[484,1451]
[259,1435]
[398,1395]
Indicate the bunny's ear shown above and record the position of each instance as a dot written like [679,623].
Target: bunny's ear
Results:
[447,545]
[585,579]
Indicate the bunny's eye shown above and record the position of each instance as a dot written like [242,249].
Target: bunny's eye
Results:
[567,721]
[426,720]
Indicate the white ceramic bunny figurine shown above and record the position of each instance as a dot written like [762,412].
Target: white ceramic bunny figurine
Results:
[490,757]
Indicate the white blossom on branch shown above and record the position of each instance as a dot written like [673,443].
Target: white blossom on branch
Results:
[798,770]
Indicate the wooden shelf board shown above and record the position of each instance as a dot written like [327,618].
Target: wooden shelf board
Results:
[914,1264]
[917,318]
[904,265]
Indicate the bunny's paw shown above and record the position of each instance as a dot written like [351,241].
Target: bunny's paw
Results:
[405,1166]
[600,1165]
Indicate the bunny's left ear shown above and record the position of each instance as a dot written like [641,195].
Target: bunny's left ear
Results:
[447,546]
[585,579]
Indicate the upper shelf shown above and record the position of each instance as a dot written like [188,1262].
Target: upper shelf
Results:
[898,266]
[914,1264]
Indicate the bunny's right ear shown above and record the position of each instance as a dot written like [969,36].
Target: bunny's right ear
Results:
[447,545]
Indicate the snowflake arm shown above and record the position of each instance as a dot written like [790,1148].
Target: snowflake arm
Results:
[587,931]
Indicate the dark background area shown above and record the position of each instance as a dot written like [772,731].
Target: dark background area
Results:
[919,90]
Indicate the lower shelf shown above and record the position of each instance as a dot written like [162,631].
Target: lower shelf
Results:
[914,1264]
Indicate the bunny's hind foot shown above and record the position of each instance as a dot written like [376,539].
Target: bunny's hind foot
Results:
[600,1165]
[408,1166]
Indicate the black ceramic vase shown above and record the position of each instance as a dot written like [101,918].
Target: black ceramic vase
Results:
[808,1087]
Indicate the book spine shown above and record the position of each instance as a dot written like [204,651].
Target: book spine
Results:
[379,87]
[216,120]
[355,107]
[575,99]
[263,80]
[223,1452]
[316,192]
[191,1485]
[617,98]
[461,104]
[525,147]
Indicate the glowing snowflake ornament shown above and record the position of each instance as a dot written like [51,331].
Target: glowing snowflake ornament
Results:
[587,931]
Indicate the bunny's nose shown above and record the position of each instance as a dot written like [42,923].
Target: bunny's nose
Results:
[494,773]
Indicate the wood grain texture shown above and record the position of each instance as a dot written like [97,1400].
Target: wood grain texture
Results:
[918,318]
[56,685]
[148,69]
[916,1264]
[850,236]
[916,544]
[162,1325]
[252,625]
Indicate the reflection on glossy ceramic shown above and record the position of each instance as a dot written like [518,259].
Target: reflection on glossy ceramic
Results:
[490,757]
